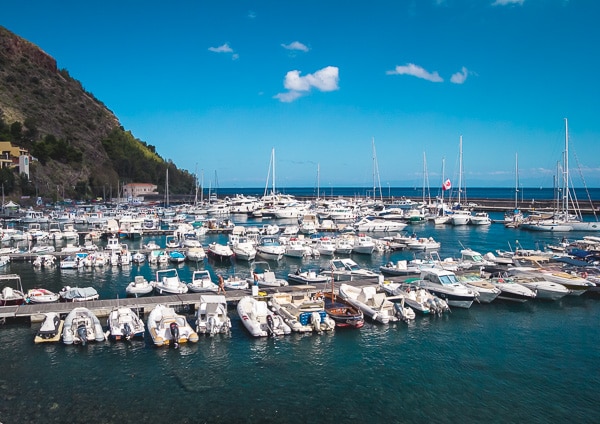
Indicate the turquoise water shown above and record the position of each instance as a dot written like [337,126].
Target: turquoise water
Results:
[502,362]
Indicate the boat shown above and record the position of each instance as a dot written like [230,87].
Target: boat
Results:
[295,248]
[262,276]
[480,218]
[4,260]
[51,329]
[444,284]
[545,290]
[325,246]
[169,328]
[363,245]
[138,258]
[73,261]
[341,312]
[301,312]
[82,326]
[158,257]
[219,252]
[270,248]
[417,298]
[202,282]
[486,291]
[372,224]
[139,287]
[511,290]
[306,277]
[41,295]
[344,245]
[373,305]
[168,282]
[195,254]
[400,268]
[78,294]
[176,257]
[259,320]
[11,295]
[243,248]
[44,261]
[345,269]
[124,324]
[576,284]
[235,282]
[423,243]
[211,316]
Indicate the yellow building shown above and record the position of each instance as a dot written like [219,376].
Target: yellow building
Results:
[133,190]
[13,156]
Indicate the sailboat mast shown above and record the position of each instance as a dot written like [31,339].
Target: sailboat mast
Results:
[516,180]
[460,170]
[273,170]
[566,173]
[318,178]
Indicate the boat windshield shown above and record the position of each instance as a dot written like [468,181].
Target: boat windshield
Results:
[448,280]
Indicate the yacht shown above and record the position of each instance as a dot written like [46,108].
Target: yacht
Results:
[445,285]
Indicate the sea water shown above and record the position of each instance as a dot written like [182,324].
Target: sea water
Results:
[500,362]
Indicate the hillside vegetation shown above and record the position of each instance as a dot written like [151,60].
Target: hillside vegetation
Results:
[80,149]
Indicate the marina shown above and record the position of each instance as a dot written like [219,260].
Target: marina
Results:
[509,350]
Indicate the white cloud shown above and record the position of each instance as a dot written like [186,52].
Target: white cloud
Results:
[325,79]
[251,14]
[416,71]
[295,45]
[507,2]
[460,77]
[221,49]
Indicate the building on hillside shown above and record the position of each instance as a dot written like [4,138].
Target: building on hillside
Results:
[139,190]
[14,156]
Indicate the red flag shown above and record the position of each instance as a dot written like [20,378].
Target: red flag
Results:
[446,185]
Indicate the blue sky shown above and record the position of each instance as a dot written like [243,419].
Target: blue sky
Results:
[216,85]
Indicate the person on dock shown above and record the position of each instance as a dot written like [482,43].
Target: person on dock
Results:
[221,284]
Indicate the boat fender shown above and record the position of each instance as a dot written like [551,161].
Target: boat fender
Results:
[174,328]
[584,274]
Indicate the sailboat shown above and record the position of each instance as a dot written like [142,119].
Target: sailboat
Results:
[442,217]
[513,218]
[460,216]
[563,220]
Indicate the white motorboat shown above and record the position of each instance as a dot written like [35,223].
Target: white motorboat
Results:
[270,248]
[574,283]
[73,261]
[139,287]
[168,282]
[400,268]
[307,277]
[419,299]
[480,218]
[158,257]
[345,269]
[371,224]
[211,316]
[302,313]
[511,290]
[44,261]
[176,256]
[168,328]
[51,329]
[138,258]
[78,294]
[41,295]
[202,282]
[374,305]
[363,244]
[325,246]
[344,245]
[545,290]
[195,254]
[486,291]
[296,248]
[243,247]
[235,282]
[82,326]
[259,320]
[124,324]
[219,252]
[263,276]
[444,284]
[423,243]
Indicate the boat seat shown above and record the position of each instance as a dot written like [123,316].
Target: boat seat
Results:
[378,299]
[366,293]
[139,279]
[269,276]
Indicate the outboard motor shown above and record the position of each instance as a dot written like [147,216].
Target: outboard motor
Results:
[316,321]
[174,334]
[127,331]
[82,333]
[270,325]
[399,311]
